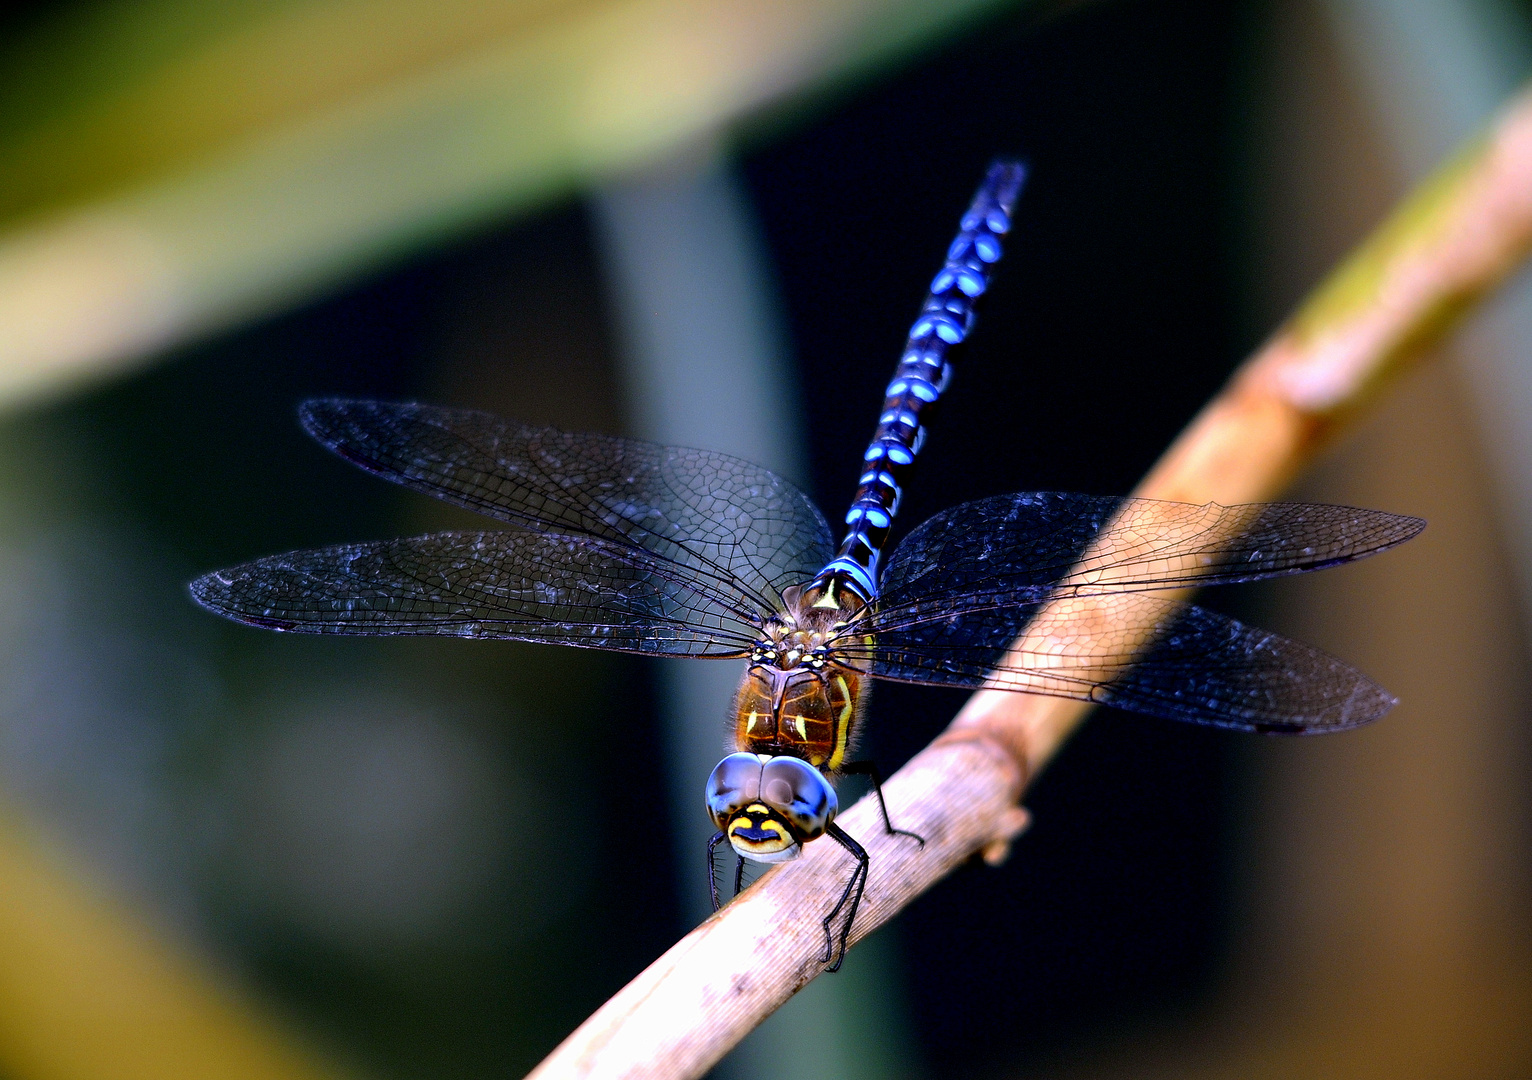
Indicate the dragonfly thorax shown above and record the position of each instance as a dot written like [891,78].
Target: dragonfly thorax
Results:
[795,698]
[788,649]
[803,632]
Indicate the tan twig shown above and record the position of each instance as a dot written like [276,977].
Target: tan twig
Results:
[1450,243]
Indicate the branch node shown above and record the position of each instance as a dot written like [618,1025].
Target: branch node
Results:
[1007,742]
[1011,824]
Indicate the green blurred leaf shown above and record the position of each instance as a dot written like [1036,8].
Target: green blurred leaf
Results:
[168,168]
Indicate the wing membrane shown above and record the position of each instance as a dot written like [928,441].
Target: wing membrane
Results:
[1021,548]
[523,585]
[741,526]
[1131,650]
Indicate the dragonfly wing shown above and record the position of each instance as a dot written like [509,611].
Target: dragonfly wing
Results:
[523,585]
[1132,650]
[1031,544]
[726,519]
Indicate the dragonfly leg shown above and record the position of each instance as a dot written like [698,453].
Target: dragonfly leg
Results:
[712,867]
[850,900]
[739,873]
[870,769]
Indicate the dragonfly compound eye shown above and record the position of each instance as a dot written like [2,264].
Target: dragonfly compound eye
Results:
[800,794]
[735,783]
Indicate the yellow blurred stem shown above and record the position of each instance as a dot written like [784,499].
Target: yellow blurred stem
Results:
[88,993]
[1354,285]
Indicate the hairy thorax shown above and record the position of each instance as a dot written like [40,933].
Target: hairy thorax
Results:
[795,698]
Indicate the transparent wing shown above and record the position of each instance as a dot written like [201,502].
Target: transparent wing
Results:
[528,586]
[1020,548]
[739,526]
[1131,650]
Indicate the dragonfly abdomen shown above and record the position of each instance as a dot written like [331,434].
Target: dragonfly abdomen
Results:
[945,319]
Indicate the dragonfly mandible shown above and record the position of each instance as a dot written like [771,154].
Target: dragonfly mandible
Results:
[617,544]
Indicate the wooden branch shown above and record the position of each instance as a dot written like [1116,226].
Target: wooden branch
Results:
[1447,246]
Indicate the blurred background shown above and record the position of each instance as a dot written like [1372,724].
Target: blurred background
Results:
[225,852]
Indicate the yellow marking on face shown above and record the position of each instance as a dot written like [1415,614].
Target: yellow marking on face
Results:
[828,599]
[780,839]
[842,729]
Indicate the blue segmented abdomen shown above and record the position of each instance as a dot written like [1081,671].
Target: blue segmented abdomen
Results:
[945,320]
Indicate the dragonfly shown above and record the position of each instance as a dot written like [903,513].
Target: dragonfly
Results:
[623,545]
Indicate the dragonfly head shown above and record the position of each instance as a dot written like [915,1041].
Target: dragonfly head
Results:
[769,807]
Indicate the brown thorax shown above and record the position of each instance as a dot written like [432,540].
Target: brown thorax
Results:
[813,617]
